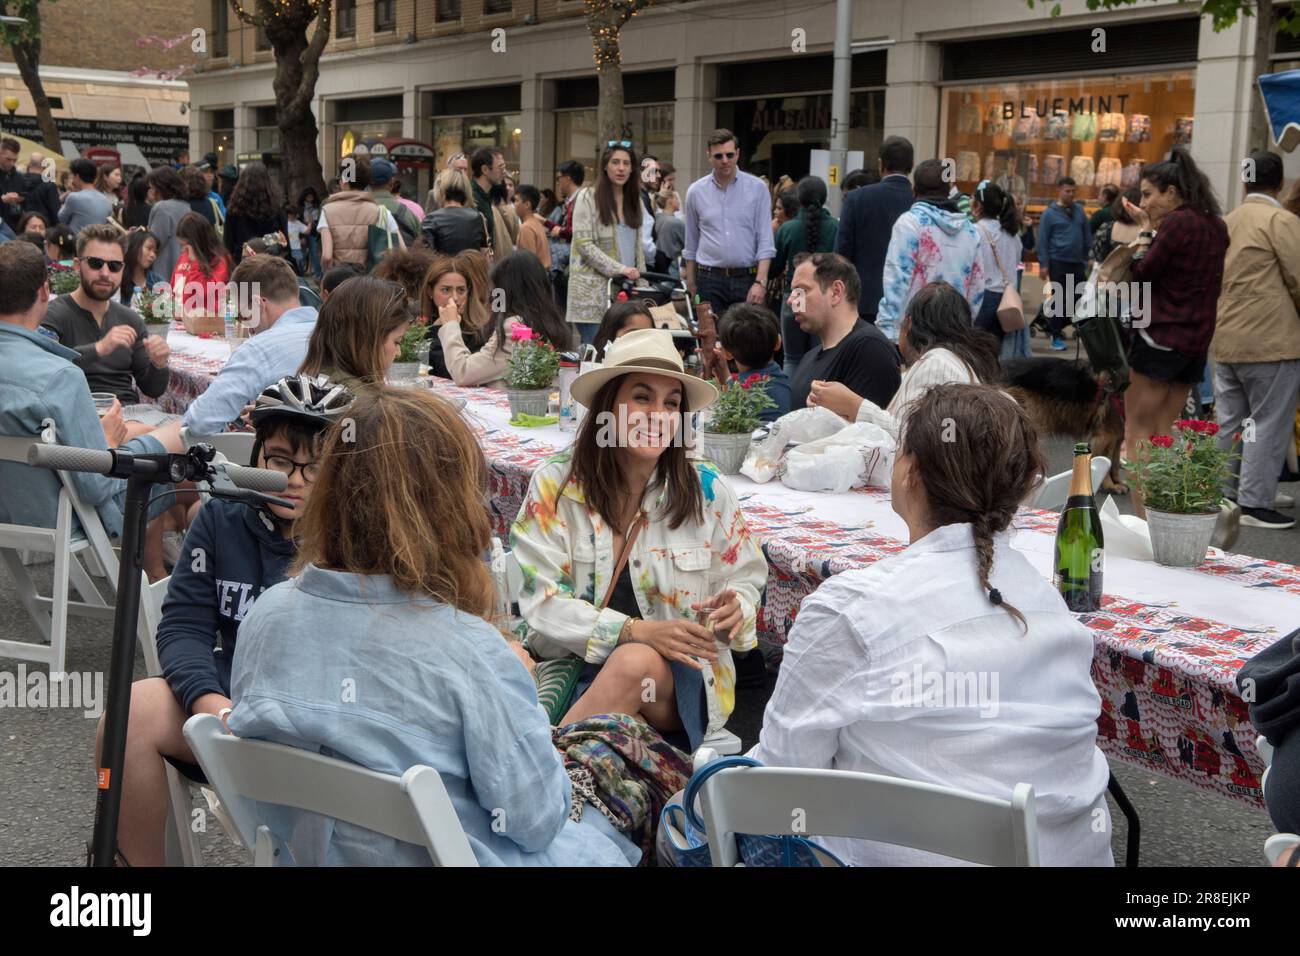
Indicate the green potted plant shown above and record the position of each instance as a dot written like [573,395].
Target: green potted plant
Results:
[156,310]
[1181,479]
[405,369]
[534,364]
[733,418]
[63,281]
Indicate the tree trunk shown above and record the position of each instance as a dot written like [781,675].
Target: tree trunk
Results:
[609,112]
[1265,29]
[299,155]
[27,57]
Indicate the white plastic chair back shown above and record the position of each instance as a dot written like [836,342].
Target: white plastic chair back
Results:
[236,446]
[413,808]
[50,613]
[922,816]
[1054,491]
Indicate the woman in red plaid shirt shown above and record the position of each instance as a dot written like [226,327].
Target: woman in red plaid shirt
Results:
[1180,251]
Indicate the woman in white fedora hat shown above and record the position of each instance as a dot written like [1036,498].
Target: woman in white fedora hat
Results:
[626,544]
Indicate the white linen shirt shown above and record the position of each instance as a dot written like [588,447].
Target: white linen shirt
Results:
[938,366]
[859,690]
[566,554]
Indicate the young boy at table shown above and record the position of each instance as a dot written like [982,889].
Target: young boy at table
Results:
[749,337]
[234,551]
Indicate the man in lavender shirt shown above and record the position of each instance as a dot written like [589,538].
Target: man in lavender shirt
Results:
[728,230]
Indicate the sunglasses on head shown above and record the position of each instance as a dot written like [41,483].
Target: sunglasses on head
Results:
[625,143]
[96,263]
[722,156]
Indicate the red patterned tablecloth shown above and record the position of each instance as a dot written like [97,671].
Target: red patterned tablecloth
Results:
[1165,675]
[193,363]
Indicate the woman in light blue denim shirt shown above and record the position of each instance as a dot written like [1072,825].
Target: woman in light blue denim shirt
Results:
[377,652]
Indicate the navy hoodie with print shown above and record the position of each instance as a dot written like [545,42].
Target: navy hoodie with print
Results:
[231,554]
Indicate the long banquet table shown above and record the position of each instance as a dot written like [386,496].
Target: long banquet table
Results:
[1169,642]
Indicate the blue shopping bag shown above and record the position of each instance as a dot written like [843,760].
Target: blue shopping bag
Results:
[682,840]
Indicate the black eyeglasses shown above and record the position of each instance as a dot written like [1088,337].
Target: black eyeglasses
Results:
[287,466]
[625,143]
[114,265]
[718,157]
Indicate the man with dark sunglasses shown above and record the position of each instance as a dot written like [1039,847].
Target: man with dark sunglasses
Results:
[113,347]
[728,230]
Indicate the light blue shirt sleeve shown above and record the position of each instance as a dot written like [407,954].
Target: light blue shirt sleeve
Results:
[763,224]
[518,774]
[77,424]
[67,209]
[238,383]
[692,226]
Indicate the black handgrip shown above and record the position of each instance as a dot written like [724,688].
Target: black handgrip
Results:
[256,479]
[68,458]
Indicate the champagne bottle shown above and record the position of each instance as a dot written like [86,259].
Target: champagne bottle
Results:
[1080,550]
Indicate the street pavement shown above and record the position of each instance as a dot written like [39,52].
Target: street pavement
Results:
[47,772]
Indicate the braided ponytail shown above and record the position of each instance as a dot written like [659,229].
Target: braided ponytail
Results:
[812,198]
[954,432]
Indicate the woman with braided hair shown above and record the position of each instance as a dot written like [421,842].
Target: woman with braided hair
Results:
[954,662]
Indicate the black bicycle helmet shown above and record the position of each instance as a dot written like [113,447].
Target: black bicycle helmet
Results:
[303,397]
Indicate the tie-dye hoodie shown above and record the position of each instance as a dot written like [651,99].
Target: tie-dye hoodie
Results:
[931,241]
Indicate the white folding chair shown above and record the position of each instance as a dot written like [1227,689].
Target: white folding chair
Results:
[67,544]
[868,806]
[1278,843]
[413,808]
[236,446]
[1055,490]
[182,842]
[510,580]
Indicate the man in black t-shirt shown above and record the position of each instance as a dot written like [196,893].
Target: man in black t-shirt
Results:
[824,296]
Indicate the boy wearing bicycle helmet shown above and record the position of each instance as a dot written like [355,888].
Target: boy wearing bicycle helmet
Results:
[232,553]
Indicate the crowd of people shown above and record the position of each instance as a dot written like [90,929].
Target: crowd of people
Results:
[637,563]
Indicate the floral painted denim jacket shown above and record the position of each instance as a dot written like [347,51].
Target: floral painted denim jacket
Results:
[566,553]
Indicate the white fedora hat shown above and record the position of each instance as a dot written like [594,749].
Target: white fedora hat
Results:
[644,350]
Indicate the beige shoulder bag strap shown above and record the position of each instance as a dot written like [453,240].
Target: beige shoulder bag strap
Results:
[622,558]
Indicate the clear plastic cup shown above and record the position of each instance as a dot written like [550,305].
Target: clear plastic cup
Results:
[103,402]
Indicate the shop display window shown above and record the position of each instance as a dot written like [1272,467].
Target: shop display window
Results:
[1099,129]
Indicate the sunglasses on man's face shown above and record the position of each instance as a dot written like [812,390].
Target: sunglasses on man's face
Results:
[719,157]
[96,263]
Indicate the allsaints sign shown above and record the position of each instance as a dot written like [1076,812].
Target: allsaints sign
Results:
[1065,104]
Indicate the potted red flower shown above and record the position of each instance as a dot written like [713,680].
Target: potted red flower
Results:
[534,364]
[1181,479]
[733,418]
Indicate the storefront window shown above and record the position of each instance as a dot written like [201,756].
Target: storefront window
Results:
[266,128]
[464,134]
[1097,130]
[777,134]
[223,144]
[223,135]
[575,134]
[347,137]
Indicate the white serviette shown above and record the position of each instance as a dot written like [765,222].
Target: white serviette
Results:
[1125,536]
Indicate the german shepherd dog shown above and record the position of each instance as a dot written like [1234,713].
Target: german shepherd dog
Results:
[1063,398]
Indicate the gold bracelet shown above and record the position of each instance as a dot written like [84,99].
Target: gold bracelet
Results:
[625,632]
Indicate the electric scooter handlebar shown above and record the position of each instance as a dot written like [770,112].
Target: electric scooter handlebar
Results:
[68,458]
